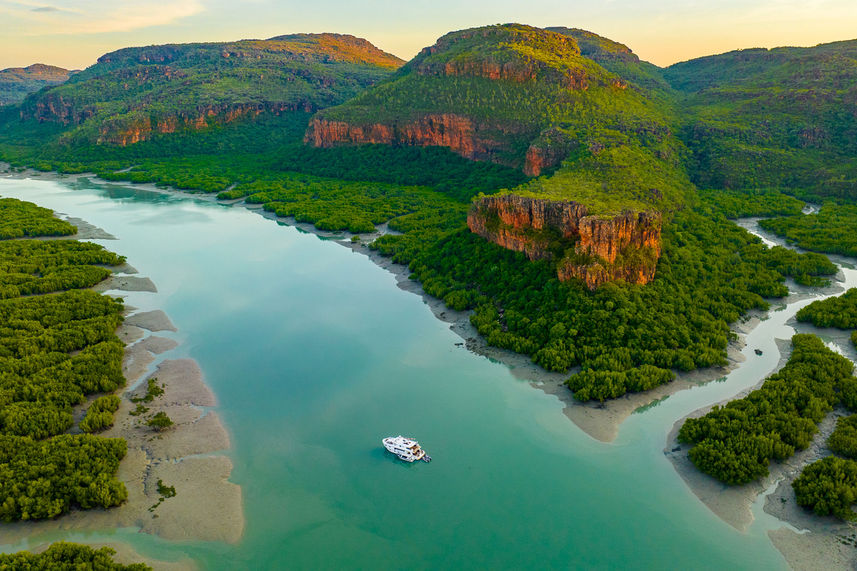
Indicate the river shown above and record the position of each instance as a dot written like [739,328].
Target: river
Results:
[315,355]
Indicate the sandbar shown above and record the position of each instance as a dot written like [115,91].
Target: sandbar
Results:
[155,320]
[126,283]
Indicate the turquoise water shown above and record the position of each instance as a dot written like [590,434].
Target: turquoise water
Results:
[315,355]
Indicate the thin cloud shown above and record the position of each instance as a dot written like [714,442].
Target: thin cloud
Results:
[94,16]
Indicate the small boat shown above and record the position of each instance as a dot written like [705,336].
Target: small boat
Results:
[406,449]
[758,351]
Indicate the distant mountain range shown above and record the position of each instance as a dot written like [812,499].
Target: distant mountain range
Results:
[18,82]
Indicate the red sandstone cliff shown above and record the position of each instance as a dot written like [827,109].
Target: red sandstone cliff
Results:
[603,245]
[443,130]
[518,71]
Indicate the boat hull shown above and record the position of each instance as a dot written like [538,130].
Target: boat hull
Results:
[405,449]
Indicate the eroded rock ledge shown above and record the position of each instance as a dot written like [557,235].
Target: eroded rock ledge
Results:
[444,130]
[593,248]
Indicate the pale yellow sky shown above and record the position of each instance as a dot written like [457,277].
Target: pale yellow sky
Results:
[73,33]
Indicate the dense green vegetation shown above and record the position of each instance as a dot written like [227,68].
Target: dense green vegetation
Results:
[615,179]
[337,205]
[436,167]
[752,202]
[710,273]
[63,556]
[736,443]
[42,479]
[19,219]
[99,415]
[777,118]
[55,349]
[31,267]
[843,441]
[839,312]
[828,487]
[833,229]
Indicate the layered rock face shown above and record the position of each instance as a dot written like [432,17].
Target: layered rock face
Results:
[626,246]
[517,71]
[124,132]
[444,130]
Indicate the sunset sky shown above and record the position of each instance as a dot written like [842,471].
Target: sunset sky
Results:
[73,33]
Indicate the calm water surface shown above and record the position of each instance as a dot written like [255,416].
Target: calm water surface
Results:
[315,355]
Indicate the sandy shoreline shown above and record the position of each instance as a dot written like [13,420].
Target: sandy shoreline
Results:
[188,456]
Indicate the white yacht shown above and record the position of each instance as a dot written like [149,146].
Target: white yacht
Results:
[406,449]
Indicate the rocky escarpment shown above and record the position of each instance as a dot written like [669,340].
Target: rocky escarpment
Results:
[444,129]
[593,248]
[511,71]
[125,131]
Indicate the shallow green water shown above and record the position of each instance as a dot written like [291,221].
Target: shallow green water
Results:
[315,355]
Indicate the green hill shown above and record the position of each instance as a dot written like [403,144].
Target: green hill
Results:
[18,82]
[136,94]
[511,94]
[782,118]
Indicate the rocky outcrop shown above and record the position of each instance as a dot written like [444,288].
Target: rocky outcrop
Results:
[548,151]
[516,71]
[124,131]
[53,107]
[443,130]
[605,248]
